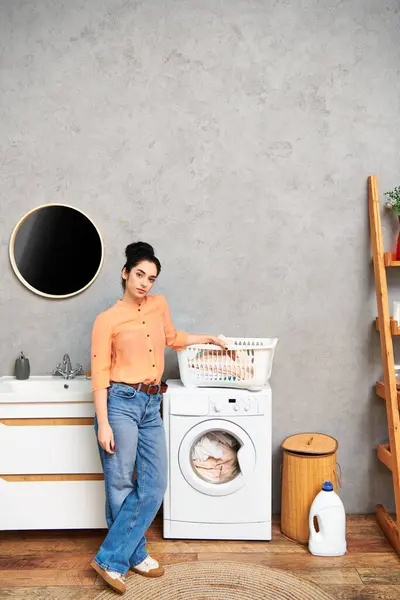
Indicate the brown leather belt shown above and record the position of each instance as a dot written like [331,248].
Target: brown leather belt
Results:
[149,389]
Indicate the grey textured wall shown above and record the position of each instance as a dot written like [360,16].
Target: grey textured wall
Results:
[237,137]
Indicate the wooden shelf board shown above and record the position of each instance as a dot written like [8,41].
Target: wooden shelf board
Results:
[55,477]
[384,455]
[390,259]
[380,391]
[394,326]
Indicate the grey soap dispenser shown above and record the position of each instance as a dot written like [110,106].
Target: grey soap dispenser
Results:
[22,367]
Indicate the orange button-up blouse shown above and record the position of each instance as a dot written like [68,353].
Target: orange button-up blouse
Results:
[128,342]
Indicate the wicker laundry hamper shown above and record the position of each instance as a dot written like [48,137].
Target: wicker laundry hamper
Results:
[309,459]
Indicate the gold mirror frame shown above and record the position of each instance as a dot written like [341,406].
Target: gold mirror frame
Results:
[14,264]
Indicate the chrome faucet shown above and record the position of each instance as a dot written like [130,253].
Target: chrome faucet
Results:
[65,369]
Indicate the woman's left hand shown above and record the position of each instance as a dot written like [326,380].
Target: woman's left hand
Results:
[217,341]
[204,338]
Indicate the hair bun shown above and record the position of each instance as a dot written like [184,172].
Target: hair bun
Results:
[138,248]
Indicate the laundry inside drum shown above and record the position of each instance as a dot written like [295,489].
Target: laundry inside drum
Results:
[214,457]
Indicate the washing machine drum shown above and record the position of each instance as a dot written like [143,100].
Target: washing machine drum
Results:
[217,457]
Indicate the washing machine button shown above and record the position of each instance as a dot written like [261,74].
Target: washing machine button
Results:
[236,407]
[217,407]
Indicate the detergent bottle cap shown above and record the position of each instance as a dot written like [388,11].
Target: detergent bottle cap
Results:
[327,486]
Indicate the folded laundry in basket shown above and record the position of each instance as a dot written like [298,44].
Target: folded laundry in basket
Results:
[214,457]
[224,363]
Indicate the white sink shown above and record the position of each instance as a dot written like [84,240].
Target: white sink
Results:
[46,388]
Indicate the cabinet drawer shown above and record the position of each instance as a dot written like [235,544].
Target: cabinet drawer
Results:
[48,449]
[36,410]
[52,505]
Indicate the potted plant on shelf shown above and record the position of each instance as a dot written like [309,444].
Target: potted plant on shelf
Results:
[394,204]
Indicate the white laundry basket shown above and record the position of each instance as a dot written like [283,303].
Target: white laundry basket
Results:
[246,364]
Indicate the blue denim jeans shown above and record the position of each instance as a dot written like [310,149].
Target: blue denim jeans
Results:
[131,505]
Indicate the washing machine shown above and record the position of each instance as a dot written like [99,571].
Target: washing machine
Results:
[238,507]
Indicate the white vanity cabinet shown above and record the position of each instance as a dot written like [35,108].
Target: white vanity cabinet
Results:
[50,471]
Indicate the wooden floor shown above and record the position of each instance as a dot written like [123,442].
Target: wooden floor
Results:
[54,565]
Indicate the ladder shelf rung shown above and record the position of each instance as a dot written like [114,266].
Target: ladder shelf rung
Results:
[390,259]
[394,326]
[380,390]
[384,455]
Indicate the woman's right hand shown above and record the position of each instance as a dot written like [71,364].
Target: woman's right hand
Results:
[105,436]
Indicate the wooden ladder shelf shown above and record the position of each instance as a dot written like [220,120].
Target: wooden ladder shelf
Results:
[389,454]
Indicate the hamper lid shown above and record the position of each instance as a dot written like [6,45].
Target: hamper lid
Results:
[310,443]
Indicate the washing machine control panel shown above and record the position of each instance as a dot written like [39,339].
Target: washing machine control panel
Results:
[233,405]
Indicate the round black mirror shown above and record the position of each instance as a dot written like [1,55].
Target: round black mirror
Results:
[56,250]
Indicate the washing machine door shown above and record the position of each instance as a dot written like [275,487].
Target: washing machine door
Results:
[231,460]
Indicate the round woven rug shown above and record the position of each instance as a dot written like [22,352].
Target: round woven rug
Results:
[219,581]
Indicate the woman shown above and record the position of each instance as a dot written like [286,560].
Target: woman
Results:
[127,362]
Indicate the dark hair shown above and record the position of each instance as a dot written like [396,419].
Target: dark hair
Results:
[136,253]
